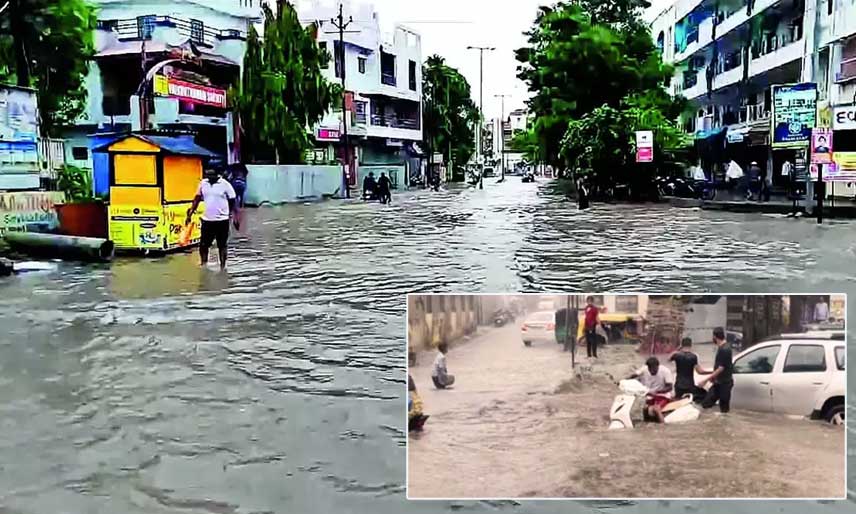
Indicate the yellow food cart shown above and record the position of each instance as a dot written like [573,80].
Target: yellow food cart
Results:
[630,326]
[153,180]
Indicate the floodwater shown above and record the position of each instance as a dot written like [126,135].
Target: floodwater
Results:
[520,423]
[151,386]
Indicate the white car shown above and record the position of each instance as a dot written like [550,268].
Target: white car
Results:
[801,376]
[539,327]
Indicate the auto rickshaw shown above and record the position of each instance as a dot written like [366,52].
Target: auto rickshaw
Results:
[629,328]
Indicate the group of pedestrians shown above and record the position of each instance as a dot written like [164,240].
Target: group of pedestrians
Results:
[658,379]
[380,189]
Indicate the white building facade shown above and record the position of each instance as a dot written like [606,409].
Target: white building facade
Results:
[729,55]
[208,40]
[383,84]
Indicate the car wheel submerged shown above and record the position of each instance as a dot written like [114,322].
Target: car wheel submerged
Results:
[836,415]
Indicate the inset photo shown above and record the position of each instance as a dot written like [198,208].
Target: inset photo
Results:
[614,396]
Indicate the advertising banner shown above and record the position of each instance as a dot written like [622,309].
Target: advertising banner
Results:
[794,114]
[152,228]
[187,91]
[644,146]
[821,146]
[29,210]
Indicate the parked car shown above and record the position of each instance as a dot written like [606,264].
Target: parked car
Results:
[539,327]
[800,376]
[488,172]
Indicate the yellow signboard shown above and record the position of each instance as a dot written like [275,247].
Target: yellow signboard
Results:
[152,228]
[161,85]
[135,227]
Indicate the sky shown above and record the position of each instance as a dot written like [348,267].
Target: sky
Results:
[447,27]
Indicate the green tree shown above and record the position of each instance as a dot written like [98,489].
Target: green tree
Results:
[601,145]
[46,45]
[283,92]
[573,65]
[449,116]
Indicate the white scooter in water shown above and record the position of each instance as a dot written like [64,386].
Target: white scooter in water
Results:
[679,411]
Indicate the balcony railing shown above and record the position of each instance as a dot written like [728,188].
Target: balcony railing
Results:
[143,26]
[387,79]
[393,121]
[847,71]
[753,113]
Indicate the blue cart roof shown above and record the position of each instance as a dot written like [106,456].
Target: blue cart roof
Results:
[169,144]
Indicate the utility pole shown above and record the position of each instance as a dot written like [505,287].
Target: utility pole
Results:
[340,23]
[144,104]
[479,140]
[502,137]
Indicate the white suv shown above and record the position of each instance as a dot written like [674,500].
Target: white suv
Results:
[801,376]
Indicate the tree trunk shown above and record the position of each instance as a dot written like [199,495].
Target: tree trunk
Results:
[16,24]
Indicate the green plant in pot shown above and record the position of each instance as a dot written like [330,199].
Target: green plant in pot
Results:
[82,214]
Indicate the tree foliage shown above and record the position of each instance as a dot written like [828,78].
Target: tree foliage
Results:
[46,45]
[283,92]
[601,145]
[449,115]
[574,64]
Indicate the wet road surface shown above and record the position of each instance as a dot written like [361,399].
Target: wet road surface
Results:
[154,386]
[520,423]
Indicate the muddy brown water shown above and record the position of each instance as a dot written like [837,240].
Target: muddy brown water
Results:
[520,422]
[152,386]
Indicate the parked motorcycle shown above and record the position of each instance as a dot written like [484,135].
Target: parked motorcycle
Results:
[503,317]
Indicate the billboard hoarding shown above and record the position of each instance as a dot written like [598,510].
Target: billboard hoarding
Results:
[794,114]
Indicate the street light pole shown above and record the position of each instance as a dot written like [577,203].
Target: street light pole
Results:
[479,138]
[502,137]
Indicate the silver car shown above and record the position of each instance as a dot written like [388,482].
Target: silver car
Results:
[801,376]
[539,327]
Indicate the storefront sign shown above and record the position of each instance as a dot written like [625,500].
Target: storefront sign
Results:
[29,210]
[794,114]
[195,93]
[821,146]
[644,146]
[325,134]
[154,228]
[844,118]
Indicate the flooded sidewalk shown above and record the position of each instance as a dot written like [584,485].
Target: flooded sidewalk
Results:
[520,422]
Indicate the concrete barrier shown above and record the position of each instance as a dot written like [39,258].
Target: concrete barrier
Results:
[287,183]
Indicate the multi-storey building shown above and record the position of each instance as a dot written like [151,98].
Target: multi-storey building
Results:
[729,55]
[383,84]
[204,40]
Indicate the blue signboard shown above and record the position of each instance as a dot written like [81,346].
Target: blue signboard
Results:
[794,114]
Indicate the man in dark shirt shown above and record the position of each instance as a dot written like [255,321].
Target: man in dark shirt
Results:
[722,376]
[686,365]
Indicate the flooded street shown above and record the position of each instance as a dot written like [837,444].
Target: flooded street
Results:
[151,386]
[518,423]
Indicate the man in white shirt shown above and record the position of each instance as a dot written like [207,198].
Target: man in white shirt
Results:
[658,379]
[821,311]
[219,198]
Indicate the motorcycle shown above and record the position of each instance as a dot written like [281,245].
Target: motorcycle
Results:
[502,317]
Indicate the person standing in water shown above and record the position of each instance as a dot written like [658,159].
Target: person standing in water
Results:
[220,207]
[686,365]
[383,188]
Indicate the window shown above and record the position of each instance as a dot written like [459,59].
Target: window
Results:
[804,358]
[626,303]
[829,4]
[197,31]
[80,153]
[361,64]
[412,75]
[323,47]
[145,26]
[759,361]
[839,357]
[387,69]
